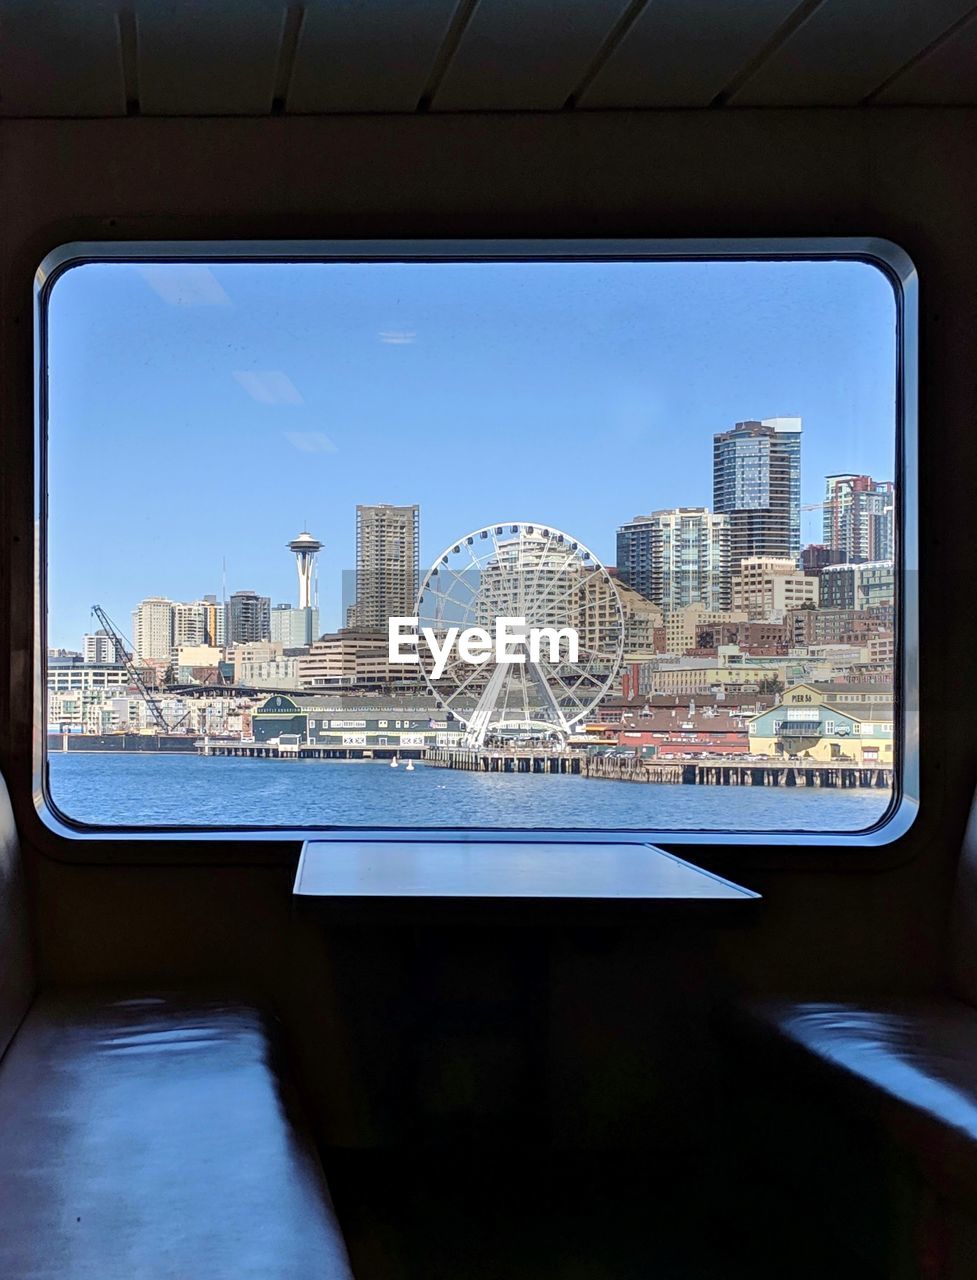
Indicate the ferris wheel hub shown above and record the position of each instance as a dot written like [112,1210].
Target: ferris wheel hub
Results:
[522,628]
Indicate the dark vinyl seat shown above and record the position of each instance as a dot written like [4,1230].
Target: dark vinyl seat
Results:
[899,1074]
[911,1063]
[147,1135]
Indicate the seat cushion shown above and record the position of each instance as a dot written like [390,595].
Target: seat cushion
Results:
[16,957]
[149,1136]
[913,1060]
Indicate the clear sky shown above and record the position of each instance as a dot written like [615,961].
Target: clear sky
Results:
[202,414]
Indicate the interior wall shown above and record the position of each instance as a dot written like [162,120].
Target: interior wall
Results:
[906,175]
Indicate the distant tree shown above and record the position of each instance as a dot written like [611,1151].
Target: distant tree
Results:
[808,604]
[169,676]
[773,685]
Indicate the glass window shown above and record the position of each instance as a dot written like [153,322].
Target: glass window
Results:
[501,516]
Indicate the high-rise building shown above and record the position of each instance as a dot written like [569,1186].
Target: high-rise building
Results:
[215,619]
[152,629]
[189,624]
[388,564]
[294,628]
[677,557]
[756,482]
[859,517]
[248,618]
[100,647]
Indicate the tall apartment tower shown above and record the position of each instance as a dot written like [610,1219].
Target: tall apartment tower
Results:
[189,624]
[388,564]
[215,619]
[101,648]
[248,618]
[677,557]
[152,628]
[756,482]
[859,517]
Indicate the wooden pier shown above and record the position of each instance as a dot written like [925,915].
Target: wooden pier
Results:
[278,751]
[507,760]
[727,773]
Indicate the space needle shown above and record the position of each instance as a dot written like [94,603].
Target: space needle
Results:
[306,549]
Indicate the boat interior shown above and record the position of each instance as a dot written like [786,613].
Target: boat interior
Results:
[268,1054]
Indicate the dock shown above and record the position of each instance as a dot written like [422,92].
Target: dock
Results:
[721,773]
[726,773]
[278,751]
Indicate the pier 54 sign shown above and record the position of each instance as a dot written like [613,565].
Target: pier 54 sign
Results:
[518,630]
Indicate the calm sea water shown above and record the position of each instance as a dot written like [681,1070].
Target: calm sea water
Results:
[147,790]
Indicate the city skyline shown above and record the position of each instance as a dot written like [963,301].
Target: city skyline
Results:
[491,368]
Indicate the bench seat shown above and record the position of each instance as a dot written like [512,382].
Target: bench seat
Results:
[913,1062]
[149,1136]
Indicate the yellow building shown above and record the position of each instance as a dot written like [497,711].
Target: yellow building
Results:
[805,725]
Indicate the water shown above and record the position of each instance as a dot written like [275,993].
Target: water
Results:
[162,790]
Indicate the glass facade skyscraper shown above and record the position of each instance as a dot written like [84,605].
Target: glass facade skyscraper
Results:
[677,557]
[859,517]
[756,482]
[387,564]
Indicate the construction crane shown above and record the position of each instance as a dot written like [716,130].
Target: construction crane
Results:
[122,655]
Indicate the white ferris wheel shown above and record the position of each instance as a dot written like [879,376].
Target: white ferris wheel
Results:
[555,586]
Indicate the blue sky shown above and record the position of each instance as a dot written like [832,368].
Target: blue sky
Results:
[202,414]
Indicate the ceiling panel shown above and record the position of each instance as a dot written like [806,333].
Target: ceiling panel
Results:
[200,59]
[846,49]
[366,55]
[64,62]
[948,75]
[519,57]
[682,53]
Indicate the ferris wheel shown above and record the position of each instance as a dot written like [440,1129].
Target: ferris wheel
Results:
[557,607]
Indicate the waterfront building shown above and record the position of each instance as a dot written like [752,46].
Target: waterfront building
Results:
[757,484]
[100,647]
[295,628]
[859,518]
[248,618]
[847,692]
[805,723]
[358,725]
[869,585]
[766,588]
[661,733]
[676,557]
[152,629]
[387,564]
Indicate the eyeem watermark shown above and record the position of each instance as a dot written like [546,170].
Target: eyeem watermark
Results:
[511,642]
